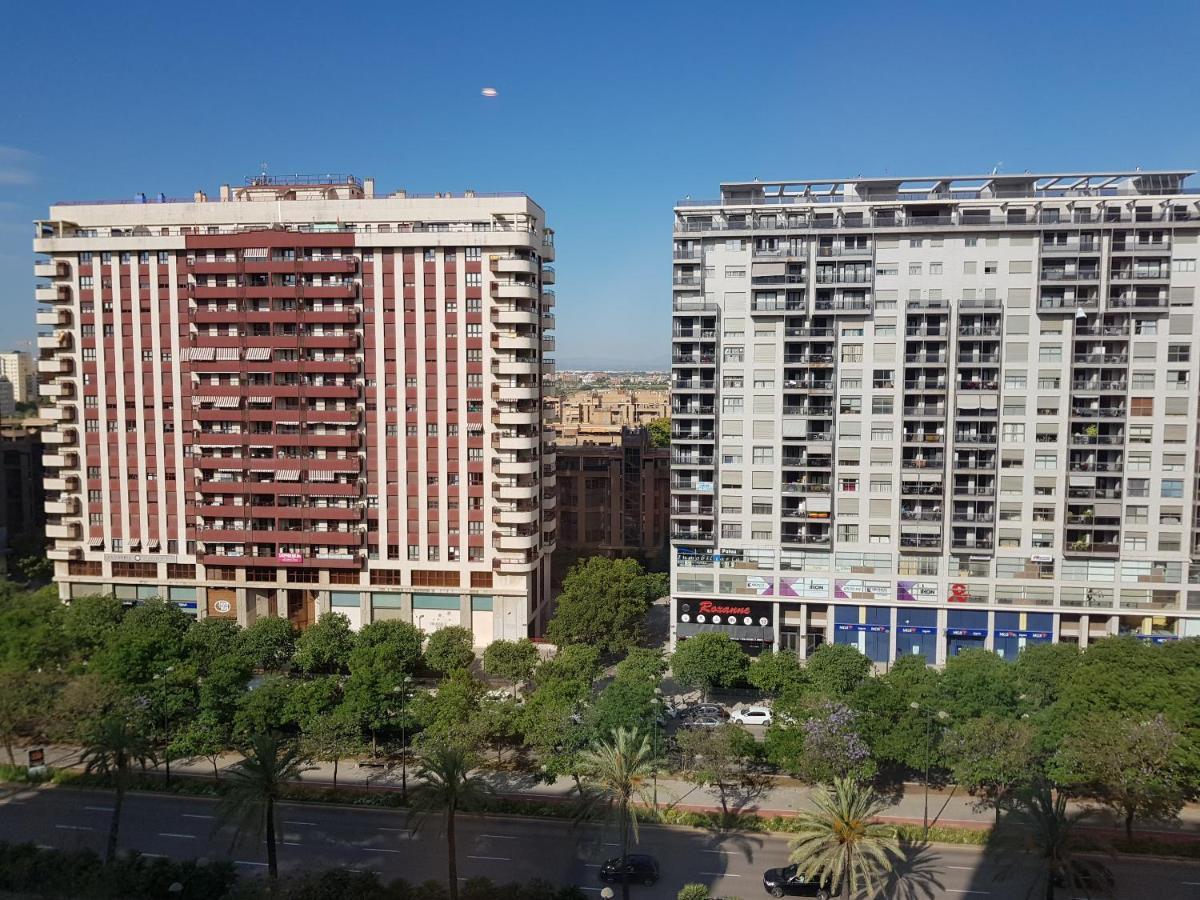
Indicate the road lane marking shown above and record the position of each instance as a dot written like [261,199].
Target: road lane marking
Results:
[958,891]
[1190,883]
[196,816]
[500,837]
[380,850]
[405,830]
[247,862]
[592,865]
[714,851]
[153,855]
[294,822]
[963,868]
[173,834]
[49,847]
[721,874]
[497,858]
[292,844]
[75,827]
[99,808]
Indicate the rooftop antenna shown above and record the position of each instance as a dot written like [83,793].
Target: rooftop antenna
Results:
[996,167]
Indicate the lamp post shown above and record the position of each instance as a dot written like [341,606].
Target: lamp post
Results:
[402,690]
[941,715]
[658,707]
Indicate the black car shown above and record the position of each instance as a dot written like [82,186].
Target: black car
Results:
[787,882]
[1093,878]
[638,868]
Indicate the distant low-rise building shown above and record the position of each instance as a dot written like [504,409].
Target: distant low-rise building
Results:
[17,367]
[615,499]
[598,417]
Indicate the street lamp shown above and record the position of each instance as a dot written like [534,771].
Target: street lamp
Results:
[654,774]
[607,894]
[402,690]
[941,716]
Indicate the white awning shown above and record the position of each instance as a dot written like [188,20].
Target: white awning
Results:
[287,475]
[258,353]
[227,352]
[321,475]
[201,353]
[227,402]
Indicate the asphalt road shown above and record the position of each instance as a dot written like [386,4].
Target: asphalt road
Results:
[507,848]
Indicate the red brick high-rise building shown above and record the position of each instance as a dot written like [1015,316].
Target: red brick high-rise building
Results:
[300,396]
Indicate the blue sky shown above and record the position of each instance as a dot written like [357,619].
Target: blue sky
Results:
[607,113]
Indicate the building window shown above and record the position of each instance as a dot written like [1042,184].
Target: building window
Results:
[1141,406]
[1172,488]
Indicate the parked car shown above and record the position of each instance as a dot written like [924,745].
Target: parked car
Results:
[788,882]
[707,710]
[702,722]
[638,868]
[751,715]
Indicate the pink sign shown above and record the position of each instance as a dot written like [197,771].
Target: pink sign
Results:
[290,557]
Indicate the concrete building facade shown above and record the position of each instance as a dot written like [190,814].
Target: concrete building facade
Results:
[302,396]
[921,415]
[615,499]
[17,366]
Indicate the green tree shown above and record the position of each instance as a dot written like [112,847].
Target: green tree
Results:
[80,706]
[499,722]
[1042,671]
[254,787]
[210,640]
[716,757]
[1133,766]
[992,757]
[895,731]
[574,667]
[330,738]
[837,842]
[977,683]
[113,745]
[693,891]
[147,642]
[30,633]
[164,706]
[88,622]
[835,670]
[643,664]
[324,647]
[709,660]
[386,653]
[603,604]
[25,699]
[450,716]
[615,774]
[268,644]
[778,674]
[265,708]
[205,735]
[450,649]
[660,432]
[514,661]
[447,786]
[629,703]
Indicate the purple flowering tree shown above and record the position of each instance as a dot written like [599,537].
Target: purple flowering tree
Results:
[832,747]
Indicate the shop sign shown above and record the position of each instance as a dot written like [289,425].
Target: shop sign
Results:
[916,591]
[725,612]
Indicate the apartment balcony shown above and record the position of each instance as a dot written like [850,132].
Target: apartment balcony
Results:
[692,460]
[1071,248]
[706,385]
[1077,276]
[776,305]
[515,468]
[980,544]
[516,290]
[973,516]
[800,538]
[51,269]
[694,304]
[1098,412]
[502,366]
[58,317]
[515,393]
[975,383]
[1083,542]
[970,461]
[1100,359]
[516,442]
[61,483]
[516,418]
[808,359]
[925,359]
[921,515]
[510,540]
[691,536]
[969,489]
[1156,302]
[924,437]
[920,542]
[694,359]
[56,365]
[515,514]
[931,461]
[927,331]
[63,414]
[981,303]
[691,511]
[927,385]
[691,254]
[694,334]
[805,487]
[1083,438]
[921,488]
[514,265]
[517,341]
[685,282]
[694,435]
[1089,521]
[975,437]
[925,411]
[843,305]
[52,293]
[691,486]
[808,332]
[1156,273]
[513,314]
[1141,248]
[1099,385]
[978,331]
[1088,492]
[808,461]
[842,250]
[64,531]
[522,488]
[549,300]
[64,506]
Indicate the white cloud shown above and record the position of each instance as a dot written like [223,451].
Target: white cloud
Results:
[16,166]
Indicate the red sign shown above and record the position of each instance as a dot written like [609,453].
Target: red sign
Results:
[959,593]
[708,607]
[37,757]
[290,557]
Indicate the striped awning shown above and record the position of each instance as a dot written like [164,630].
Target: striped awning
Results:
[258,353]
[227,352]
[201,353]
[321,475]
[287,475]
[227,402]
[258,399]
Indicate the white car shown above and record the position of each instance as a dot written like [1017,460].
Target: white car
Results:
[751,715]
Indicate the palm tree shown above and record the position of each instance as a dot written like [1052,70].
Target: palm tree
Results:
[447,786]
[616,771]
[255,785]
[1040,825]
[838,841]
[110,748]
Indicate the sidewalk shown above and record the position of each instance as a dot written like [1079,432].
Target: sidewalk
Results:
[774,796]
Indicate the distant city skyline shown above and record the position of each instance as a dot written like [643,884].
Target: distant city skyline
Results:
[600,122]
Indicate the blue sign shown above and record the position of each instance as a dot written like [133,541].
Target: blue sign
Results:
[855,626]
[967,632]
[1158,638]
[1040,635]
[917,629]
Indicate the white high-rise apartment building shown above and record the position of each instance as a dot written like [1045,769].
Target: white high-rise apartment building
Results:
[301,396]
[923,415]
[17,367]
